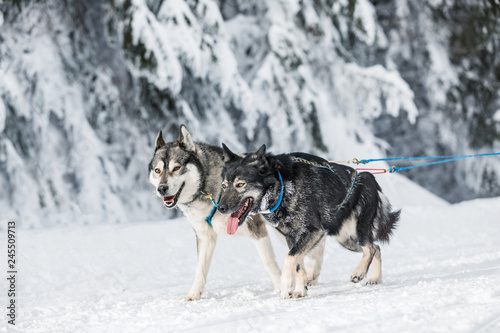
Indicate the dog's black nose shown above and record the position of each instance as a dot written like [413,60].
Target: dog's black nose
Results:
[222,208]
[163,189]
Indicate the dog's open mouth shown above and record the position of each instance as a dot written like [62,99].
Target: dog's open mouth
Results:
[238,217]
[171,201]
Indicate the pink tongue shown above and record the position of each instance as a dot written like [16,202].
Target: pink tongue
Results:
[232,224]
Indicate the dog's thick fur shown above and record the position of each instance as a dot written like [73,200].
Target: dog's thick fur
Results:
[316,201]
[183,172]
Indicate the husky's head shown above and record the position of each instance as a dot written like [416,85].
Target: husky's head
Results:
[245,181]
[175,170]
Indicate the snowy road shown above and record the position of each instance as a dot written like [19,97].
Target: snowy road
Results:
[441,274]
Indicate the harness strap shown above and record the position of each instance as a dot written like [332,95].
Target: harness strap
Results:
[354,175]
[209,217]
[325,165]
[215,204]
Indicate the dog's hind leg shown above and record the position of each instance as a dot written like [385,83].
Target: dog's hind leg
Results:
[376,277]
[315,262]
[205,246]
[369,251]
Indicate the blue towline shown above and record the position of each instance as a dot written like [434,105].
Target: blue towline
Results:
[443,159]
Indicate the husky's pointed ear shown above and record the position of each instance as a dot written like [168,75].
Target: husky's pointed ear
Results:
[261,152]
[260,155]
[228,155]
[159,141]
[185,139]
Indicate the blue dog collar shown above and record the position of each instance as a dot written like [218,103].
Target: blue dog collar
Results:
[269,211]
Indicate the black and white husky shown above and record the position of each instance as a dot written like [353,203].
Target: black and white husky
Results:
[305,198]
[188,175]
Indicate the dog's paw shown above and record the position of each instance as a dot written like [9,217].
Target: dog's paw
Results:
[286,294]
[357,278]
[312,279]
[190,297]
[373,281]
[300,293]
[312,282]
[286,287]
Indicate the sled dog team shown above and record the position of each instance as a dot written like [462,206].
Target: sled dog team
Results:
[302,196]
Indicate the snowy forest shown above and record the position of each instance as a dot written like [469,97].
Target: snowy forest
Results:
[85,86]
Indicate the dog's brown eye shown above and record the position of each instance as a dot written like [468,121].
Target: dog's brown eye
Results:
[224,187]
[240,185]
[157,171]
[176,168]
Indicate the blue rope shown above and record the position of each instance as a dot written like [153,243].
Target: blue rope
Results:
[448,158]
[444,159]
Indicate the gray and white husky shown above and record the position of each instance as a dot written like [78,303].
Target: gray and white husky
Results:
[188,175]
[305,198]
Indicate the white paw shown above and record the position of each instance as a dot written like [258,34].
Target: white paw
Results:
[285,295]
[300,292]
[285,290]
[374,281]
[192,297]
[312,281]
[286,286]
[357,276]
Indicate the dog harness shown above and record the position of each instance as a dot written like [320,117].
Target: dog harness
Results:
[215,204]
[325,165]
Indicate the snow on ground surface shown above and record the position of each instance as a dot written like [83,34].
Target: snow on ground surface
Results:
[441,274]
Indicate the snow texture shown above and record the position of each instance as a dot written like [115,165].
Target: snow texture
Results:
[441,273]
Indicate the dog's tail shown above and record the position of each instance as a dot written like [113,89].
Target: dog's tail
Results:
[387,219]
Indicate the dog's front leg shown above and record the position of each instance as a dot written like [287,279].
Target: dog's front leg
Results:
[288,275]
[300,281]
[292,260]
[205,245]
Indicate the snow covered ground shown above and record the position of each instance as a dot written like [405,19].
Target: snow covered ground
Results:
[441,274]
